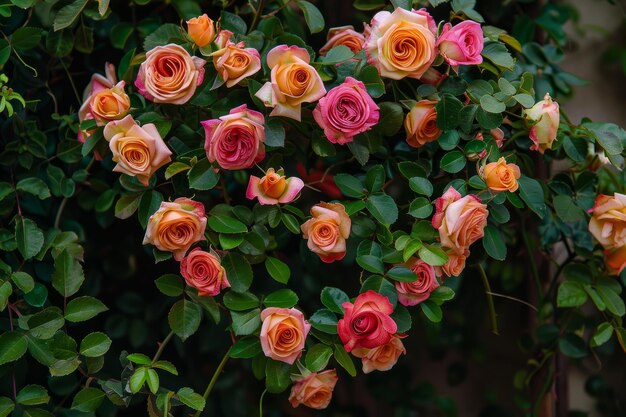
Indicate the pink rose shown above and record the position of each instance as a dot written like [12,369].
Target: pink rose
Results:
[343,35]
[545,118]
[169,75]
[381,358]
[326,232]
[204,272]
[236,140]
[608,220]
[461,44]
[346,111]
[367,323]
[413,293]
[274,188]
[283,333]
[314,390]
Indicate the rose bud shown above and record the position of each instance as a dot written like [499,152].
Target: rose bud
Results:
[461,44]
[327,231]
[381,358]
[421,124]
[545,118]
[283,333]
[274,187]
[314,390]
[501,176]
[201,29]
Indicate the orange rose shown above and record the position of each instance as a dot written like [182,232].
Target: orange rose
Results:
[201,29]
[106,96]
[455,264]
[327,231]
[500,176]
[343,35]
[176,225]
[381,358]
[283,333]
[204,272]
[608,220]
[615,260]
[314,390]
[234,63]
[421,124]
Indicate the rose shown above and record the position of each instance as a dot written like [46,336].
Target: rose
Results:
[175,226]
[381,358]
[223,38]
[421,124]
[235,141]
[545,118]
[97,84]
[274,188]
[201,29]
[343,35]
[366,323]
[401,44]
[615,260]
[234,63]
[314,390]
[461,44]
[109,104]
[169,74]
[501,176]
[434,77]
[204,272]
[327,231]
[455,264]
[413,293]
[346,111]
[460,220]
[293,82]
[138,150]
[608,220]
[283,333]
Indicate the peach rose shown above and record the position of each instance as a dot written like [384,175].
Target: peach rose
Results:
[615,260]
[343,35]
[201,29]
[381,358]
[138,150]
[501,176]
[236,140]
[274,187]
[293,82]
[314,390]
[608,220]
[327,231]
[402,43]
[176,225]
[421,124]
[97,84]
[413,293]
[455,264]
[204,272]
[223,38]
[169,74]
[545,118]
[234,63]
[283,333]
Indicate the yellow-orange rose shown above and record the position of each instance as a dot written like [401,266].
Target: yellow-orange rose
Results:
[455,264]
[201,29]
[110,104]
[608,220]
[501,176]
[327,231]
[283,333]
[175,226]
[234,63]
[615,260]
[421,124]
[314,390]
[381,358]
[343,35]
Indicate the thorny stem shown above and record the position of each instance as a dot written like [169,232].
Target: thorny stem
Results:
[490,305]
[257,14]
[508,297]
[162,345]
[216,375]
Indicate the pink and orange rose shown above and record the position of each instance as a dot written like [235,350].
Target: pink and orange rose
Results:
[313,390]
[234,63]
[461,44]
[343,35]
[421,124]
[381,358]
[327,231]
[204,272]
[615,260]
[283,333]
[545,118]
[413,293]
[274,187]
[608,220]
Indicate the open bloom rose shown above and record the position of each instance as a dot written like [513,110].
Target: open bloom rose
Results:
[201,29]
[176,225]
[608,220]
[274,187]
[343,35]
[401,44]
[236,140]
[138,150]
[413,293]
[381,358]
[460,220]
[234,63]
[314,390]
[293,82]
[501,176]
[421,124]
[615,260]
[204,272]
[169,74]
[99,83]
[461,44]
[327,231]
[283,333]
[545,116]
[346,111]
[367,323]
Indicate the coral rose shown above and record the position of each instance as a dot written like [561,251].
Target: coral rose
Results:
[413,293]
[327,231]
[367,323]
[138,150]
[401,44]
[293,82]
[545,117]
[455,264]
[346,111]
[283,333]
[421,124]
[235,141]
[234,63]
[461,44]
[201,29]
[608,220]
[314,390]
[169,74]
[381,358]
[176,225]
[501,176]
[615,260]
[98,84]
[274,188]
[343,35]
[204,272]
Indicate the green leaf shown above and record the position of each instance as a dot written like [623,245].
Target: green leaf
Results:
[433,255]
[13,345]
[497,53]
[83,308]
[232,22]
[68,276]
[349,185]
[166,366]
[238,271]
[488,120]
[371,263]
[127,205]
[137,379]
[245,323]
[402,274]
[420,208]
[34,186]
[246,348]
[383,208]
[150,202]
[152,378]
[313,17]
[506,87]
[44,324]
[6,406]
[448,109]
[184,318]
[375,178]
[573,346]
[191,399]
[23,281]
[277,269]
[571,294]
[88,400]
[337,54]
[371,79]
[610,136]
[28,236]
[139,358]
[202,176]
[274,133]
[402,317]
[612,300]
[291,223]
[68,14]
[240,301]
[431,310]
[344,360]
[324,320]
[453,162]
[566,209]
[32,395]
[277,376]
[602,334]
[163,35]
[526,100]
[491,104]
[333,298]
[225,224]
[494,244]
[6,289]
[317,357]
[26,38]
[95,344]
[382,286]
[421,186]
[532,193]
[368,5]
[404,4]
[284,298]
[391,118]
[170,284]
